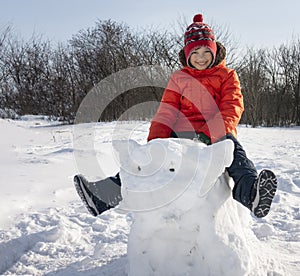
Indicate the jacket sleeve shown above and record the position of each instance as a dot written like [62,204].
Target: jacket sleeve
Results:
[232,104]
[231,108]
[166,115]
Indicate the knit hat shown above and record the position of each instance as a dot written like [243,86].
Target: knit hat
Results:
[199,34]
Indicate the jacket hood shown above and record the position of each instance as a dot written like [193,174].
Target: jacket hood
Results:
[220,56]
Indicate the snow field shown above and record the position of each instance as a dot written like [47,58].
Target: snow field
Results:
[45,229]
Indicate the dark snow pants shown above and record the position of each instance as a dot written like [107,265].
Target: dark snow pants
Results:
[243,173]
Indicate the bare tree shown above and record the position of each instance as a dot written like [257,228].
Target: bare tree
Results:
[253,81]
[5,32]
[289,60]
[27,65]
[110,47]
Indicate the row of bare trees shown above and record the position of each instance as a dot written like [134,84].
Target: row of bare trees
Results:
[271,85]
[37,78]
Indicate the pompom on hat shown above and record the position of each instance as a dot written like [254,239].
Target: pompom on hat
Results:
[199,34]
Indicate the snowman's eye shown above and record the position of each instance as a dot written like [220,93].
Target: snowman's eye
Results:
[172,170]
[139,168]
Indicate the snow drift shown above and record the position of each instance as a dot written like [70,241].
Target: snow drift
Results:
[185,220]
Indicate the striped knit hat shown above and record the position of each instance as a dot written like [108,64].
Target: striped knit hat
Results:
[199,34]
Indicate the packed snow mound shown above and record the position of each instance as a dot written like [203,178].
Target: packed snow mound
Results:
[185,220]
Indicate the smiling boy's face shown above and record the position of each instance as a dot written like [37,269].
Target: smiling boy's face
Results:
[201,58]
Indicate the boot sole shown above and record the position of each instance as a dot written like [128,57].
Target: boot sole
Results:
[266,189]
[84,196]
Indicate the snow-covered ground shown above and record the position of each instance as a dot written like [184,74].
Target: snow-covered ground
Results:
[45,229]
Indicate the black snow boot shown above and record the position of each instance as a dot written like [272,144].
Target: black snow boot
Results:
[99,196]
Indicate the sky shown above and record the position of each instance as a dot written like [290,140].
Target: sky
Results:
[258,23]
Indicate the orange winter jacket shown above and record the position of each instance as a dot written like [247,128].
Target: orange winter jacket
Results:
[208,101]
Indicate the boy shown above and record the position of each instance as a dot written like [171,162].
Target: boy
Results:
[203,100]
